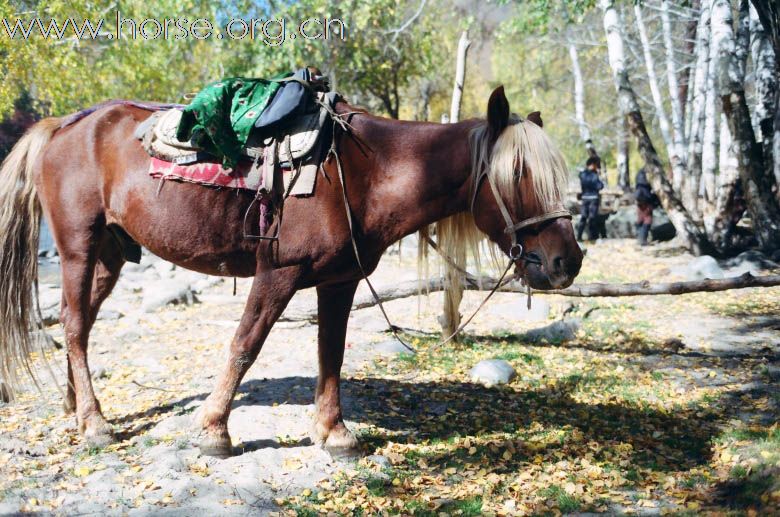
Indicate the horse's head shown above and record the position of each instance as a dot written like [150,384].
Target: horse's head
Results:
[521,181]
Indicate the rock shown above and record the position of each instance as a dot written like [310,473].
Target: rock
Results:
[129,335]
[99,372]
[390,347]
[380,460]
[663,231]
[109,315]
[163,267]
[492,371]
[703,267]
[167,292]
[622,225]
[132,267]
[751,261]
[557,332]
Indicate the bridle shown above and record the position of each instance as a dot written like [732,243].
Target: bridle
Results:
[516,251]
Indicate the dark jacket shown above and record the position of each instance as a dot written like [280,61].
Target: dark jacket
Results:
[643,192]
[591,184]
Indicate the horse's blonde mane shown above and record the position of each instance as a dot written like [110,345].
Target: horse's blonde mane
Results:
[522,142]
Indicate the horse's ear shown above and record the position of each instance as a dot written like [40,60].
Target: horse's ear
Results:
[536,118]
[497,112]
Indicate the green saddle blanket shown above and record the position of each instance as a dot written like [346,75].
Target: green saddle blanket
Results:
[220,118]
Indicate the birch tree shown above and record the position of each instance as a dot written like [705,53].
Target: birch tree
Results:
[728,178]
[652,79]
[709,142]
[579,101]
[691,233]
[677,149]
[623,165]
[765,84]
[757,182]
[768,12]
[690,184]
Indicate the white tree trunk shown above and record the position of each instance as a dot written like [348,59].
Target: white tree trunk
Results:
[677,151]
[690,187]
[579,101]
[709,153]
[728,178]
[763,62]
[460,76]
[757,182]
[689,231]
[623,165]
[655,91]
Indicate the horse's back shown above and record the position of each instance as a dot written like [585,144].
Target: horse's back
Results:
[95,172]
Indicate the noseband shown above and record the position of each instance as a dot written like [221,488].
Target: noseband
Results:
[516,251]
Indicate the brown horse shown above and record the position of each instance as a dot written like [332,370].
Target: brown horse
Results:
[91,177]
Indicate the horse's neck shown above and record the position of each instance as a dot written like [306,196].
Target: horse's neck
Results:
[422,174]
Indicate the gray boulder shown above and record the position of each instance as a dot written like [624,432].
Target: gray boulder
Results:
[703,267]
[167,292]
[492,371]
[556,332]
[391,347]
[622,225]
[751,261]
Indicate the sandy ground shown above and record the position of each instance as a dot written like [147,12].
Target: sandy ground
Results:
[153,369]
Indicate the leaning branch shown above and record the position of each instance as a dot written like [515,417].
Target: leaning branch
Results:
[644,288]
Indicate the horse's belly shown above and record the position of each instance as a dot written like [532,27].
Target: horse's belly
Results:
[195,227]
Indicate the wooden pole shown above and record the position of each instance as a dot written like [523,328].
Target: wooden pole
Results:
[450,318]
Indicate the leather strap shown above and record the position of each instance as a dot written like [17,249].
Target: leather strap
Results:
[555,214]
[511,227]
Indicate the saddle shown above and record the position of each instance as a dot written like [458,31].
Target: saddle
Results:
[293,144]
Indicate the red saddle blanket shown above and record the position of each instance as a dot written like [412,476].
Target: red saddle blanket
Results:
[206,173]
[214,174]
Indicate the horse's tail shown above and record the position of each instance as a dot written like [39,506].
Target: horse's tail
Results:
[20,215]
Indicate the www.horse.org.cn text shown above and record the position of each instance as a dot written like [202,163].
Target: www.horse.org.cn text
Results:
[272,32]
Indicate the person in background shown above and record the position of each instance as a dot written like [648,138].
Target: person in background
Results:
[646,201]
[591,185]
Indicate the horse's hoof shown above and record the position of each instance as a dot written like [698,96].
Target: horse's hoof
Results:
[341,443]
[216,446]
[96,431]
[100,440]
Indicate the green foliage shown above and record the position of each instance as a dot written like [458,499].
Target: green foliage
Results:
[374,64]
[541,15]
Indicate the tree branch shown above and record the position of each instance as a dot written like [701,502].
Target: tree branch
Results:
[644,288]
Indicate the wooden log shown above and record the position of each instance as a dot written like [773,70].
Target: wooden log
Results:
[471,283]
[646,288]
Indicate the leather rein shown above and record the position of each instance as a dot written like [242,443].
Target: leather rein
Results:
[516,251]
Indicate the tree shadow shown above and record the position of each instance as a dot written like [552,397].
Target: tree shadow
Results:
[438,411]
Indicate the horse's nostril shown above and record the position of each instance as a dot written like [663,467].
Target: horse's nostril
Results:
[557,265]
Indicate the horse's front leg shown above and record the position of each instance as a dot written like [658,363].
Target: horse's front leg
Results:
[334,304]
[270,293]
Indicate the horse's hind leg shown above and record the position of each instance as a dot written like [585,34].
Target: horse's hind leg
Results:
[89,272]
[334,304]
[107,269]
[271,291]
